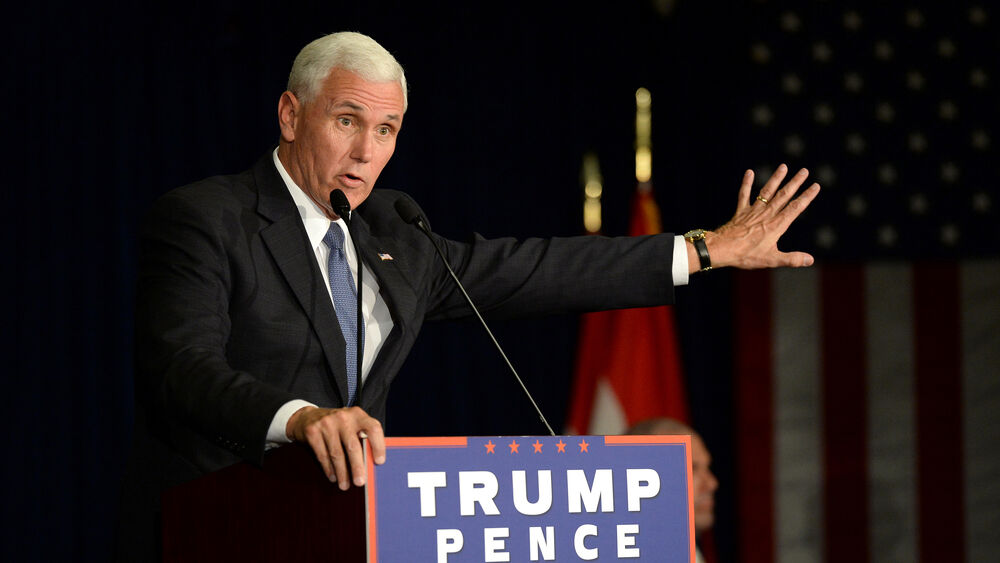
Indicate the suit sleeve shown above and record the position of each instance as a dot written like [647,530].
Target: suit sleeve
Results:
[510,278]
[183,323]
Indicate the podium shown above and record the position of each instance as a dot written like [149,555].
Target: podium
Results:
[453,499]
[285,511]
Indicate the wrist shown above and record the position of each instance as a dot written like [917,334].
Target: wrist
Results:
[293,422]
[699,256]
[692,254]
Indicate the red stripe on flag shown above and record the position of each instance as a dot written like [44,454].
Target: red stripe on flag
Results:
[754,407]
[845,421]
[937,345]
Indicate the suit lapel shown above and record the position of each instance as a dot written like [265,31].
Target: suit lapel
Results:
[379,253]
[286,240]
[386,260]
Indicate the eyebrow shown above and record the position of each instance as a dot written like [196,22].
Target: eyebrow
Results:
[356,107]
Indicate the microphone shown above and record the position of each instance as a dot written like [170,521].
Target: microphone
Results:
[409,213]
[342,207]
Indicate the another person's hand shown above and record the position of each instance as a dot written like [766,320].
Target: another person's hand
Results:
[335,437]
[750,239]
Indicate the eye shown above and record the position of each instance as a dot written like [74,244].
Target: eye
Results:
[383,130]
[345,121]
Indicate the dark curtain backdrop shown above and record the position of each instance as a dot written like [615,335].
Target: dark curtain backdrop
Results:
[109,106]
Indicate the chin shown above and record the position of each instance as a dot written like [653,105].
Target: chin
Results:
[702,525]
[357,199]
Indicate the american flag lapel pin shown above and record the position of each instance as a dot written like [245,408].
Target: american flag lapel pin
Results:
[385,256]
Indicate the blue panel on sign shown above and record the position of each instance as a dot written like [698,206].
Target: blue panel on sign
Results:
[532,498]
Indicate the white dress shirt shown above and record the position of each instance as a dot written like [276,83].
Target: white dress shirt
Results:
[378,321]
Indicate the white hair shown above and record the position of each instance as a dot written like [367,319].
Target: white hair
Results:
[354,52]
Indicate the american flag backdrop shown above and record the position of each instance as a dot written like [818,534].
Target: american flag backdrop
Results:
[894,109]
[868,387]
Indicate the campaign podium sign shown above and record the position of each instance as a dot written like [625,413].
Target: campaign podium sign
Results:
[531,498]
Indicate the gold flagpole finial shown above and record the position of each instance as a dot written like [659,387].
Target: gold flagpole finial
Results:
[592,188]
[643,135]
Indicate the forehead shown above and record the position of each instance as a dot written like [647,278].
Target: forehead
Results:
[347,89]
[698,450]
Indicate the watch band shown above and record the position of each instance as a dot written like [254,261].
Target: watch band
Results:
[697,238]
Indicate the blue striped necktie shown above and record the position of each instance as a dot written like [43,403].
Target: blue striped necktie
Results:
[345,300]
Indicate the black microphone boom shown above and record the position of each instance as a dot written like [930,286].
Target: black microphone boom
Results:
[342,207]
[409,212]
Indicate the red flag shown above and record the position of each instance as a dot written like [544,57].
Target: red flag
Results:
[628,361]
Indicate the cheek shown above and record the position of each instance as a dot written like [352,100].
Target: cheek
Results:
[378,164]
[700,484]
[325,145]
[390,148]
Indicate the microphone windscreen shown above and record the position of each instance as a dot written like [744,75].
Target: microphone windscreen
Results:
[407,210]
[339,203]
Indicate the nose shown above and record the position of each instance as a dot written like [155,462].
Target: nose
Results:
[363,148]
[712,482]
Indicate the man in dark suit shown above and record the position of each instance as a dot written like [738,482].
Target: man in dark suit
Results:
[703,481]
[241,342]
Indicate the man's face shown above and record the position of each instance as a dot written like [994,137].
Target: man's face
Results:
[343,138]
[704,485]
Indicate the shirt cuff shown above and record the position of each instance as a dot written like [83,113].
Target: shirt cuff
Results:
[276,432]
[680,265]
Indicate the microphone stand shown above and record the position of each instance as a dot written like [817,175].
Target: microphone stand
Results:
[408,212]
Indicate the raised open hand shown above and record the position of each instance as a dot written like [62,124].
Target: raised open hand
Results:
[750,239]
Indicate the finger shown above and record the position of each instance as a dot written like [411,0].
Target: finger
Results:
[314,437]
[355,455]
[797,259]
[797,206]
[377,441]
[771,186]
[744,197]
[786,193]
[337,456]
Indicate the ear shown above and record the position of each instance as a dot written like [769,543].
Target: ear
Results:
[289,113]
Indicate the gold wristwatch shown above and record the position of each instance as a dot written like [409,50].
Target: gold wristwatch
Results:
[697,238]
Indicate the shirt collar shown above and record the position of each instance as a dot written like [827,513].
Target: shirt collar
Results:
[314,219]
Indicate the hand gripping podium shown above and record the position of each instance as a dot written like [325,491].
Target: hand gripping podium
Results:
[449,500]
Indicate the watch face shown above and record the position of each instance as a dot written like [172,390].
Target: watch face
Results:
[696,234]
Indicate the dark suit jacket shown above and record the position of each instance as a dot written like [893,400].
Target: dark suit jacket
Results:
[233,317]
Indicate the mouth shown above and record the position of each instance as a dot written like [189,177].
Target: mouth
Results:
[351,181]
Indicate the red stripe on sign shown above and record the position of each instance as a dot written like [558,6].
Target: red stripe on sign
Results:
[937,345]
[371,508]
[427,442]
[755,440]
[646,440]
[845,421]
